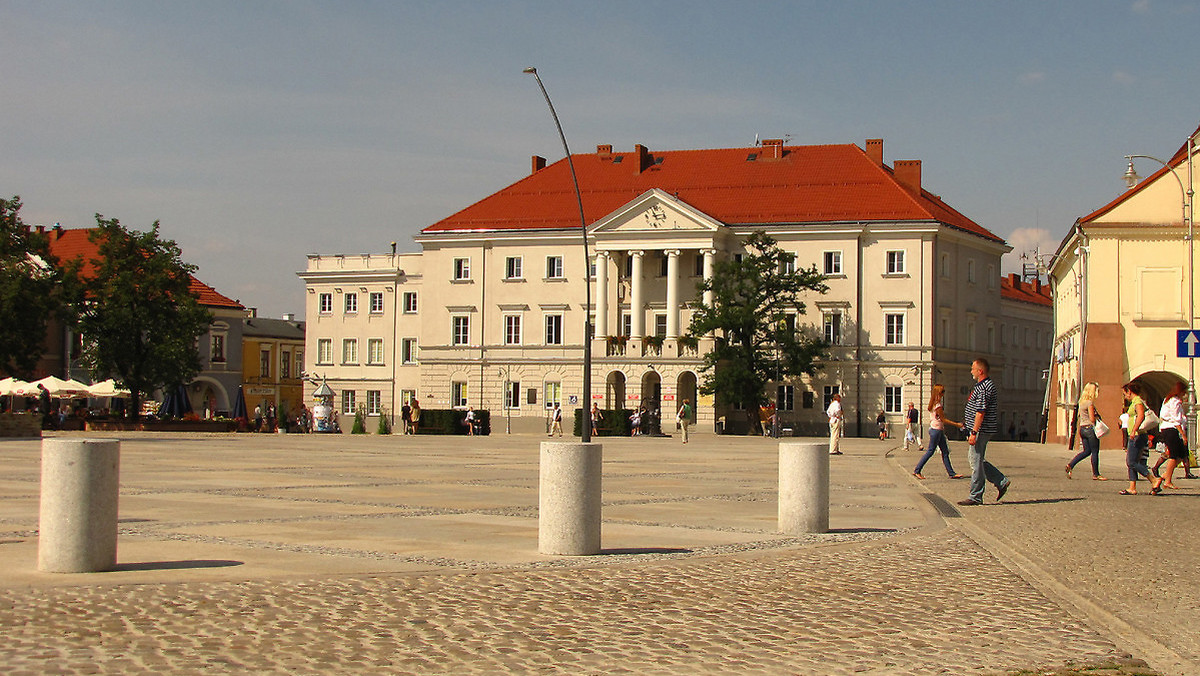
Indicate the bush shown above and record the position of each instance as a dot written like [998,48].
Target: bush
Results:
[360,421]
[384,427]
[613,422]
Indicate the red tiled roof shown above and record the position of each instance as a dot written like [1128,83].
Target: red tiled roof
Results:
[72,244]
[1012,288]
[1176,160]
[808,184]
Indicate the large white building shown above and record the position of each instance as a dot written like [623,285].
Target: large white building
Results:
[491,312]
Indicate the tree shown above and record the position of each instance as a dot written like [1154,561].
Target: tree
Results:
[137,313]
[30,291]
[755,304]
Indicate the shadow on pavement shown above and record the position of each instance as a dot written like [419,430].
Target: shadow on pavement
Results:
[1040,501]
[645,550]
[862,530]
[176,565]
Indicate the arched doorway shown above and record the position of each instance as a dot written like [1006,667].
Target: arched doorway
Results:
[685,386]
[1156,385]
[652,400]
[614,391]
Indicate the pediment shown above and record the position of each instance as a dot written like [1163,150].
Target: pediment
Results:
[655,211]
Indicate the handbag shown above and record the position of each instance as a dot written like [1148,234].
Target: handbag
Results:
[1100,428]
[1149,421]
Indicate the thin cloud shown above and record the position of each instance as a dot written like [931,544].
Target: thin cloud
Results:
[1123,77]
[1141,7]
[1032,77]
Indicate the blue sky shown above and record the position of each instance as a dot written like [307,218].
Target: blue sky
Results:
[259,132]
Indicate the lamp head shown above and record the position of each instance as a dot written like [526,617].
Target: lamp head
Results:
[1131,177]
[530,70]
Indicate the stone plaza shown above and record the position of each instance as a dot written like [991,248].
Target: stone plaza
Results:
[367,554]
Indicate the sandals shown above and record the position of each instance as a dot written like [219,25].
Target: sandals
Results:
[1127,492]
[1171,486]
[1157,487]
[1099,478]
[1068,471]
[958,476]
[918,475]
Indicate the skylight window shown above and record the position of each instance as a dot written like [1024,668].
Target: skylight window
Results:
[618,158]
[751,157]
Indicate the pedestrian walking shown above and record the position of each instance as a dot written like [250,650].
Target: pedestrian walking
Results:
[406,418]
[1136,449]
[258,418]
[684,419]
[1089,441]
[595,416]
[982,415]
[881,422]
[635,422]
[836,421]
[415,416]
[1172,432]
[555,420]
[937,433]
[469,421]
[912,433]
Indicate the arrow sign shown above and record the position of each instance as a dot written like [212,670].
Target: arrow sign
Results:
[1185,343]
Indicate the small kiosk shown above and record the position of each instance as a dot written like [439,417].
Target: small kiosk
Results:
[324,418]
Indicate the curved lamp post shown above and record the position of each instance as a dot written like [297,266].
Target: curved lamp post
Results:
[1131,179]
[585,427]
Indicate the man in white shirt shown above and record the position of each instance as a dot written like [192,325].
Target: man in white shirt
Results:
[835,424]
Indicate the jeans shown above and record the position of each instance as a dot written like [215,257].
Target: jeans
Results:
[1135,457]
[937,439]
[981,469]
[1090,445]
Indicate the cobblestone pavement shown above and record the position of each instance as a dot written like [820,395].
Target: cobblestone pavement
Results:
[694,579]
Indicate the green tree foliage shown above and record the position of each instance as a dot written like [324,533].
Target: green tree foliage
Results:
[360,421]
[384,427]
[749,318]
[30,291]
[137,313]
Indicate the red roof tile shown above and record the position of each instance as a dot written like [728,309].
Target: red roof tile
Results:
[809,184]
[72,244]
[1012,288]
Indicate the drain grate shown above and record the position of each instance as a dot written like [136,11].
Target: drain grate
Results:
[942,506]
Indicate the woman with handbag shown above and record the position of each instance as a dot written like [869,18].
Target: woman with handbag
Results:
[1141,420]
[1091,428]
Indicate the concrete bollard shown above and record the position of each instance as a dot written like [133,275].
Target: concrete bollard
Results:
[803,487]
[77,528]
[569,498]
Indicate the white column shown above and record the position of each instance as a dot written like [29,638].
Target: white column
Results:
[803,488]
[602,294]
[569,498]
[77,521]
[709,258]
[636,301]
[673,293]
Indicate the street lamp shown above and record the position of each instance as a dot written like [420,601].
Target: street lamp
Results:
[1131,178]
[585,427]
[506,371]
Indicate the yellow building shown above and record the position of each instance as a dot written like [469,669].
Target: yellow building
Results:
[1124,286]
[273,364]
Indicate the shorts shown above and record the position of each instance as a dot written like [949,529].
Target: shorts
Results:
[1176,449]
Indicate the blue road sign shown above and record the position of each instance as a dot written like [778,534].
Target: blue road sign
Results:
[1186,343]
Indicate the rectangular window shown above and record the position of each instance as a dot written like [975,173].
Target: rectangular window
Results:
[374,350]
[410,302]
[351,303]
[787,263]
[325,303]
[785,398]
[407,396]
[324,350]
[374,399]
[299,364]
[264,363]
[827,393]
[462,268]
[512,395]
[218,347]
[458,394]
[662,266]
[408,350]
[285,365]
[554,329]
[698,265]
[971,271]
[512,329]
[895,262]
[660,325]
[376,299]
[946,266]
[460,331]
[971,335]
[894,334]
[892,396]
[553,394]
[626,325]
[991,338]
[833,262]
[833,328]
[512,267]
[349,350]
[348,401]
[554,267]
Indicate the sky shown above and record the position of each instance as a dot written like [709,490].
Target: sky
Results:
[260,131]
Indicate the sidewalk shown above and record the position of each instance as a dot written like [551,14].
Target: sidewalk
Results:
[314,554]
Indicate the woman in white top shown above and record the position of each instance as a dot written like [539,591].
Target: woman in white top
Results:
[937,434]
[1172,431]
[1088,441]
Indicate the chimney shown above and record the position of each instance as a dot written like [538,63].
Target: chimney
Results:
[604,151]
[1037,285]
[874,149]
[642,159]
[253,312]
[538,163]
[908,174]
[1015,280]
[41,229]
[58,231]
[772,149]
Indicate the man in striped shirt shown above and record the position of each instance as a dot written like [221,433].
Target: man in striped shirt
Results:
[981,415]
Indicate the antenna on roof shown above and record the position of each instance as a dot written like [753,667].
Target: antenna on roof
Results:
[756,139]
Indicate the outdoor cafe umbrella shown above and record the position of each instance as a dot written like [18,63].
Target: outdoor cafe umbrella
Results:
[57,387]
[107,388]
[12,387]
[176,404]
[239,405]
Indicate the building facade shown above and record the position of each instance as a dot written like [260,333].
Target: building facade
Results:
[1124,286]
[492,312]
[273,364]
[1024,338]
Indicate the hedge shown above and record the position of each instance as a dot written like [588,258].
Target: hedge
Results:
[450,421]
[613,422]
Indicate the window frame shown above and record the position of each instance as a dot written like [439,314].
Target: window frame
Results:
[893,399]
[325,303]
[375,302]
[513,268]
[895,262]
[831,262]
[512,329]
[408,350]
[409,308]
[324,351]
[888,337]
[461,271]
[375,352]
[553,324]
[374,401]
[460,330]
[555,268]
[350,303]
[350,351]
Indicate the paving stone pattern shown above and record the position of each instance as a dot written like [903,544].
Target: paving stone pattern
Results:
[931,604]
